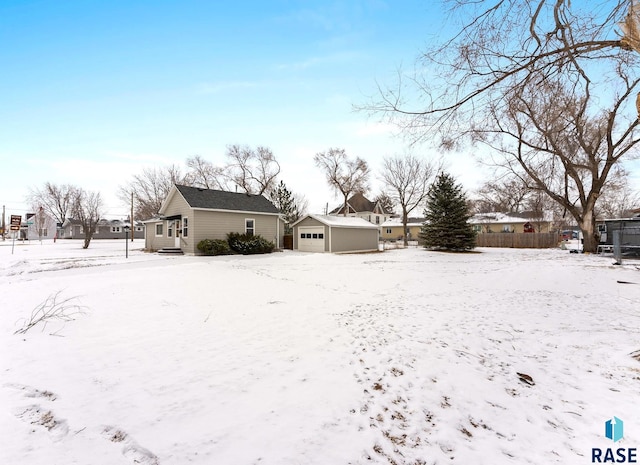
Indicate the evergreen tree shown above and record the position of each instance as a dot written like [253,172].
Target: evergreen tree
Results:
[285,201]
[447,215]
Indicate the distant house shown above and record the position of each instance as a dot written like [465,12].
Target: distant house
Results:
[105,229]
[190,214]
[328,233]
[509,223]
[361,207]
[627,231]
[391,230]
[38,226]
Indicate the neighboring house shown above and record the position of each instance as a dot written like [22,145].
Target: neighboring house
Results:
[189,215]
[361,207]
[391,230]
[328,233]
[105,229]
[509,223]
[38,226]
[71,229]
[114,229]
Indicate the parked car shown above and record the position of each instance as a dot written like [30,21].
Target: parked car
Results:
[569,234]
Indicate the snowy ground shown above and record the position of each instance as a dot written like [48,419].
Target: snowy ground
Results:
[401,357]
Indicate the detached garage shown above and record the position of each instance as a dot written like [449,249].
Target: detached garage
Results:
[327,233]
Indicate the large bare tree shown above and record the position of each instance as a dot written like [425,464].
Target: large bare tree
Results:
[549,85]
[150,188]
[203,173]
[407,179]
[55,199]
[347,176]
[253,170]
[87,208]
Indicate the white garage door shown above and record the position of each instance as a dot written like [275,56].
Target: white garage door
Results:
[311,239]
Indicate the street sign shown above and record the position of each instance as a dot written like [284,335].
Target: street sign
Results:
[15,222]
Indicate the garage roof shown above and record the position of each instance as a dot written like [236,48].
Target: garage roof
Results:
[340,221]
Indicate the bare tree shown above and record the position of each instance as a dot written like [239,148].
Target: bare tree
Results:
[549,85]
[503,194]
[345,175]
[203,173]
[87,208]
[56,199]
[254,171]
[407,179]
[150,188]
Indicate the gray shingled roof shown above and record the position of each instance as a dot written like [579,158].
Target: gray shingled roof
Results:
[223,200]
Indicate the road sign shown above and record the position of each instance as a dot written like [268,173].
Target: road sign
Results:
[15,222]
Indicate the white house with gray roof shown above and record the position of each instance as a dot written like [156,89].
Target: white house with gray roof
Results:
[190,214]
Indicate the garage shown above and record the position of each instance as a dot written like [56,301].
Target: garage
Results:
[336,234]
[311,239]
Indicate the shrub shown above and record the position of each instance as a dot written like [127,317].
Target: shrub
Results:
[214,247]
[247,244]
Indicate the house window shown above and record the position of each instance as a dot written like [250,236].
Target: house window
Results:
[249,226]
[321,236]
[139,228]
[185,227]
[159,231]
[377,220]
[477,228]
[388,230]
[170,225]
[116,229]
[506,228]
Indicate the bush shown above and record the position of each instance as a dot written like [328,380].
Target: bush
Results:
[214,247]
[247,244]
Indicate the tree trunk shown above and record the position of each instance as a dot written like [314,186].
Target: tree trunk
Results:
[87,240]
[591,238]
[404,227]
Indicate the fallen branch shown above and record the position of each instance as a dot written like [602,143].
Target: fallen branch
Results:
[52,309]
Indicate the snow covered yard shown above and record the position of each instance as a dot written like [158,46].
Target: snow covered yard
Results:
[401,357]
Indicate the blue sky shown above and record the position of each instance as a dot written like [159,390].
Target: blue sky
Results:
[94,91]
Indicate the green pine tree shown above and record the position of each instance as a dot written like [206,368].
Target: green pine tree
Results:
[447,215]
[284,201]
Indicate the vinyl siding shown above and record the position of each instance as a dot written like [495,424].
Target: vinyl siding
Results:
[205,224]
[352,239]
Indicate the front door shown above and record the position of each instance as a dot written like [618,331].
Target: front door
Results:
[178,232]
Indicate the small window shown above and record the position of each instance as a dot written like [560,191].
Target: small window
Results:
[249,227]
[115,229]
[301,235]
[321,236]
[506,228]
[139,228]
[185,227]
[170,228]
[315,236]
[377,220]
[388,230]
[159,229]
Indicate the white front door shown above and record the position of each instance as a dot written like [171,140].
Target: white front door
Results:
[178,232]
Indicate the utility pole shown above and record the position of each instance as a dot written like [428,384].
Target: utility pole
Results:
[132,224]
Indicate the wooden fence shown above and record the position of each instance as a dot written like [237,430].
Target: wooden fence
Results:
[519,240]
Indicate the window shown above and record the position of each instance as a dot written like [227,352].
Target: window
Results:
[249,226]
[321,236]
[377,220]
[116,229]
[315,236]
[506,228]
[170,225]
[139,228]
[477,228]
[388,230]
[159,231]
[185,227]
[302,236]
